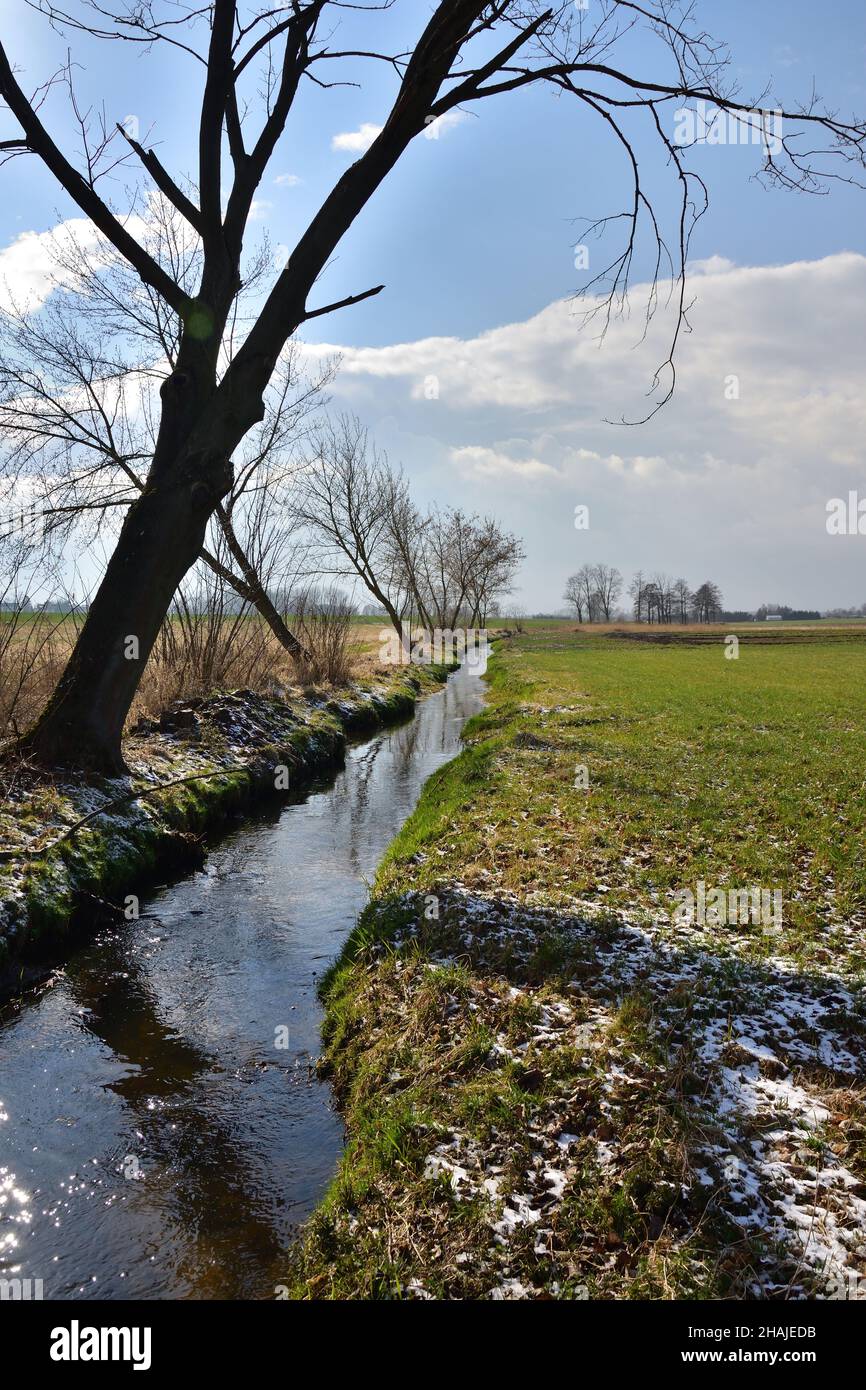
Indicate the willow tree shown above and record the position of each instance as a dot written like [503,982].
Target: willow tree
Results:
[248,64]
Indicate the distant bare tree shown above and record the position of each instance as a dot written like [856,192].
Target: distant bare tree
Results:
[573,595]
[580,593]
[653,602]
[607,587]
[441,569]
[662,597]
[459,565]
[682,598]
[707,602]
[637,592]
[496,557]
[348,498]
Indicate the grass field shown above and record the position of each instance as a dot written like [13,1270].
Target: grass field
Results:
[553,1085]
[734,772]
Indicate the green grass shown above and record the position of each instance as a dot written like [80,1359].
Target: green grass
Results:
[740,773]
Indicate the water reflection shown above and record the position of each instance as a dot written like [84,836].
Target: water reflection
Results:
[154,1142]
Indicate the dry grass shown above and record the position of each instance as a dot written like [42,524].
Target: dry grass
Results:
[34,648]
[189,660]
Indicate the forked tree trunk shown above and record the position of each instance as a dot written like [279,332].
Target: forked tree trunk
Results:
[160,540]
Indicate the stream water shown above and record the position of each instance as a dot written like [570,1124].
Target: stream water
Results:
[155,1142]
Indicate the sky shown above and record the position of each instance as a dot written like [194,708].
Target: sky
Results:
[474,368]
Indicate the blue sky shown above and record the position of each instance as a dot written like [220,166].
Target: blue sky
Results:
[474,232]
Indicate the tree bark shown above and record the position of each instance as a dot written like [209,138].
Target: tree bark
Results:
[160,540]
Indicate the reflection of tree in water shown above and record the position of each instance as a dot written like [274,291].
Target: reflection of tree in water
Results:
[369,798]
[379,779]
[192,1155]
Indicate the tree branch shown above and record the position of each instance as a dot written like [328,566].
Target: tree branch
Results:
[342,303]
[41,144]
[164,182]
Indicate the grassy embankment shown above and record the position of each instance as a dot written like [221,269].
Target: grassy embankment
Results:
[550,1087]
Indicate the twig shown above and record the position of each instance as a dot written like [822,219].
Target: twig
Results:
[137,795]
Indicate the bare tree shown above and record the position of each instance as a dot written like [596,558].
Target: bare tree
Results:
[349,499]
[440,568]
[607,587]
[574,595]
[654,602]
[707,602]
[682,599]
[662,597]
[593,592]
[79,383]
[580,592]
[637,592]
[498,557]
[467,51]
[460,562]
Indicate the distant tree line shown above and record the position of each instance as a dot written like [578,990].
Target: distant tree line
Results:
[847,612]
[782,610]
[593,592]
[663,599]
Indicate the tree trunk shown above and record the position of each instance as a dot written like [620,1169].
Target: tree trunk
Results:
[160,540]
[254,592]
[258,594]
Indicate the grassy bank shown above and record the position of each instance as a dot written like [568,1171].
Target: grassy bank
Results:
[71,851]
[554,1084]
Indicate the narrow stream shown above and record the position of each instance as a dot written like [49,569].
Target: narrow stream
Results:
[155,1142]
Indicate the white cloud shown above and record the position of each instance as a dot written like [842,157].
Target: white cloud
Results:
[287,180]
[713,265]
[488,463]
[28,267]
[447,121]
[731,478]
[356,141]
